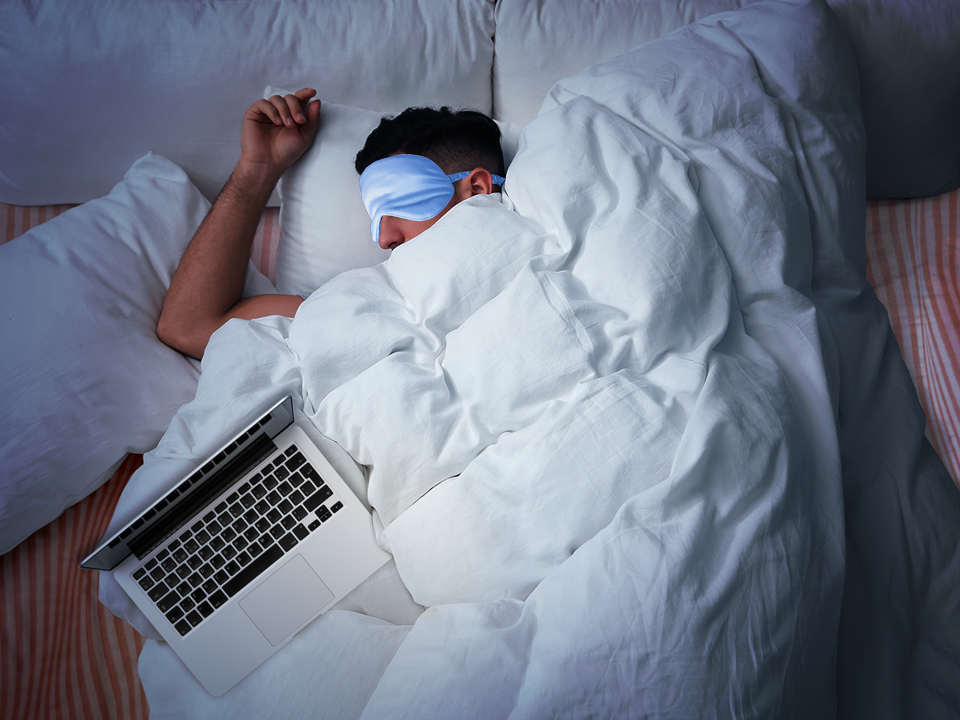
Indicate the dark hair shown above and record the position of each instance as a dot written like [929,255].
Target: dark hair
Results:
[454,140]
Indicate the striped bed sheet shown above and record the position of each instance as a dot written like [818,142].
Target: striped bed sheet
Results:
[64,655]
[913,263]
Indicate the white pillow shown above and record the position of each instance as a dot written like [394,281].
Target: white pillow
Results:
[84,378]
[325,228]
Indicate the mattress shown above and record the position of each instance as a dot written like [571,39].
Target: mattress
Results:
[65,655]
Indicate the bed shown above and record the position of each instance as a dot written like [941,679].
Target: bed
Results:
[719,481]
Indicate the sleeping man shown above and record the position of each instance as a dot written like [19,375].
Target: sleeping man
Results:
[413,169]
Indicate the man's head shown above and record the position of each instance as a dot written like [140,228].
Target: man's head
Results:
[463,141]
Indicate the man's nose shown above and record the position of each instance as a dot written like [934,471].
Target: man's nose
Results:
[390,235]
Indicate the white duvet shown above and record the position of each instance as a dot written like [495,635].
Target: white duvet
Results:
[596,421]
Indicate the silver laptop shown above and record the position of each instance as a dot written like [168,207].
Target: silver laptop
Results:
[245,551]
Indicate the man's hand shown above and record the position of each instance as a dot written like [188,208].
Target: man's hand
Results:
[278,130]
[205,290]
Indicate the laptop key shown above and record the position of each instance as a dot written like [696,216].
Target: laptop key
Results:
[183,627]
[168,601]
[295,461]
[288,541]
[158,591]
[318,497]
[249,573]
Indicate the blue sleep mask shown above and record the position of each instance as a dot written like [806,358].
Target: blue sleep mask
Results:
[411,187]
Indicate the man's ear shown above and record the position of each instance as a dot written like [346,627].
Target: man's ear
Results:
[478,182]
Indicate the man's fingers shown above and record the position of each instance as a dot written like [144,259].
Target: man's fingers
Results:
[281,113]
[295,109]
[289,110]
[313,112]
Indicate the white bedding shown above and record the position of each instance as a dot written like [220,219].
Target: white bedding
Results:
[597,421]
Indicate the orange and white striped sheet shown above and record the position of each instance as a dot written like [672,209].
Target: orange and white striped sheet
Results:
[913,263]
[62,655]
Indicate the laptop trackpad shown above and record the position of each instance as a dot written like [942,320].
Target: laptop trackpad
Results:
[286,600]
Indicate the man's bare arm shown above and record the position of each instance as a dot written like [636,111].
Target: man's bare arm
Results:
[206,288]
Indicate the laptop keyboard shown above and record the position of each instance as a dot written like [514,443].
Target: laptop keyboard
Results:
[219,554]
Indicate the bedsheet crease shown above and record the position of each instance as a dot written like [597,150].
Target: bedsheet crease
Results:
[596,419]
